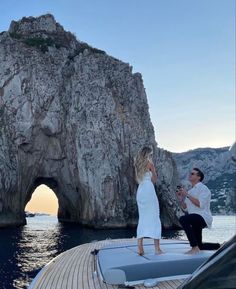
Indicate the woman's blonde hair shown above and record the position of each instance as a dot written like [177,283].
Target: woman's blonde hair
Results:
[141,162]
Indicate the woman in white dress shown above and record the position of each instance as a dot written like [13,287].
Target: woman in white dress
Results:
[149,224]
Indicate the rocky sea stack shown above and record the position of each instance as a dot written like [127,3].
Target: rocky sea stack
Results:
[72,117]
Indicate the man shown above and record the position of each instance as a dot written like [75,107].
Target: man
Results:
[197,203]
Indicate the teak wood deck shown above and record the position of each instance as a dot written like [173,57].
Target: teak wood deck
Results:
[76,269]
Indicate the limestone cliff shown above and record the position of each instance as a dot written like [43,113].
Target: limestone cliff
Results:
[72,117]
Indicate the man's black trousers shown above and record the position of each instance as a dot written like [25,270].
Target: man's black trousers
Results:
[193,225]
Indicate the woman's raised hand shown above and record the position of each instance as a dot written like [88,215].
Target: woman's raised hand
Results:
[151,166]
[153,170]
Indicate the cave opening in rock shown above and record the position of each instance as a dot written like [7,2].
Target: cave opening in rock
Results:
[43,198]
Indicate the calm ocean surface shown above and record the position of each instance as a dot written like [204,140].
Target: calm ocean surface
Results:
[24,251]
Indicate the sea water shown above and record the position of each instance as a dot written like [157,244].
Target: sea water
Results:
[25,250]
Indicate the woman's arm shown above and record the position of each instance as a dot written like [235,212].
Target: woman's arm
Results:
[153,170]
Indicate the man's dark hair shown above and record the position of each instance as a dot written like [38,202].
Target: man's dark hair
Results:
[199,173]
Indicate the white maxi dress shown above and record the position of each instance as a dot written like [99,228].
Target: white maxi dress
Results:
[149,224]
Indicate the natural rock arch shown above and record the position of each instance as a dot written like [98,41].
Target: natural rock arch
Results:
[73,116]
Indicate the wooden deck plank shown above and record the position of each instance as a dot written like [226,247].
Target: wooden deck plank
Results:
[78,268]
[171,284]
[85,268]
[178,282]
[47,279]
[60,271]
[67,272]
[83,258]
[74,269]
[54,271]
[91,269]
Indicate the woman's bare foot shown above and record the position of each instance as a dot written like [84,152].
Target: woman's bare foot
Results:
[159,252]
[140,247]
[194,250]
[140,252]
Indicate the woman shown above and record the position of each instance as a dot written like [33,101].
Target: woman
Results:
[149,224]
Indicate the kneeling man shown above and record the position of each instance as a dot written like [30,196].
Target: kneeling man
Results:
[197,204]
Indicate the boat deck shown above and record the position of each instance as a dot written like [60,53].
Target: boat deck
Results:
[76,269]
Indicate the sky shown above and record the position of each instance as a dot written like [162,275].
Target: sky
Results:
[43,200]
[184,49]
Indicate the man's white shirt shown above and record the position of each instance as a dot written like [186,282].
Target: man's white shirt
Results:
[203,194]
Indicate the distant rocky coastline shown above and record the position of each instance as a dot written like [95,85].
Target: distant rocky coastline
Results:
[219,166]
[30,214]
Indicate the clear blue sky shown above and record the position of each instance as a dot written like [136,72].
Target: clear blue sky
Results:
[183,48]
